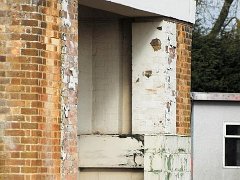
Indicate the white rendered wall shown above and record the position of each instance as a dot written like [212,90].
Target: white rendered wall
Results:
[106,77]
[154,97]
[85,95]
[208,119]
[99,78]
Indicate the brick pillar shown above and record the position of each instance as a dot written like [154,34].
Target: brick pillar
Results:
[30,90]
[184,45]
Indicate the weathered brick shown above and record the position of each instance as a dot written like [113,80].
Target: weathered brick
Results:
[29,81]
[29,140]
[4,110]
[15,133]
[29,111]
[15,118]
[29,125]
[15,103]
[29,169]
[30,155]
[29,23]
[2,58]
[30,52]
[15,88]
[15,74]
[29,96]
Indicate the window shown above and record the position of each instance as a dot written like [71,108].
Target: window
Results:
[232,145]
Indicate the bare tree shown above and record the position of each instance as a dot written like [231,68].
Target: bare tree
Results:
[217,16]
[219,23]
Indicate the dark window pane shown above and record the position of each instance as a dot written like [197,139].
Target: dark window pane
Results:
[232,152]
[233,130]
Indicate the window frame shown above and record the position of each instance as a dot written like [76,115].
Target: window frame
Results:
[224,143]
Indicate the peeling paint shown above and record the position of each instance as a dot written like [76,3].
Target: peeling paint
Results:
[64,37]
[73,79]
[66,20]
[98,151]
[69,73]
[64,49]
[66,110]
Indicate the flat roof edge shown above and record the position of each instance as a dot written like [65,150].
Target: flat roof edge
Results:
[183,10]
[204,96]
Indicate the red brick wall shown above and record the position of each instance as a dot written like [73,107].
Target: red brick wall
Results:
[184,44]
[30,90]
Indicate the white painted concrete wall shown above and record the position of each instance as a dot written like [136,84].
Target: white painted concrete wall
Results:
[106,151]
[104,91]
[154,97]
[85,95]
[106,77]
[167,157]
[208,123]
[111,174]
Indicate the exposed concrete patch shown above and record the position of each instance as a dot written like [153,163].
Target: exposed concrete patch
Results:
[156,44]
[148,73]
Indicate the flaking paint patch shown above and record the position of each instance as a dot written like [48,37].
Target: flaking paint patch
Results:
[73,80]
[66,20]
[170,74]
[69,76]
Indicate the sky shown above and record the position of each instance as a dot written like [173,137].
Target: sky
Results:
[210,10]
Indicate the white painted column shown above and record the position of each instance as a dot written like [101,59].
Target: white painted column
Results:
[154,78]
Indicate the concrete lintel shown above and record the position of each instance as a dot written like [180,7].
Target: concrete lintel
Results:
[204,96]
[110,151]
[183,10]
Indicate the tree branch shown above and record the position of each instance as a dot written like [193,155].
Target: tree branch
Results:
[221,19]
[226,24]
